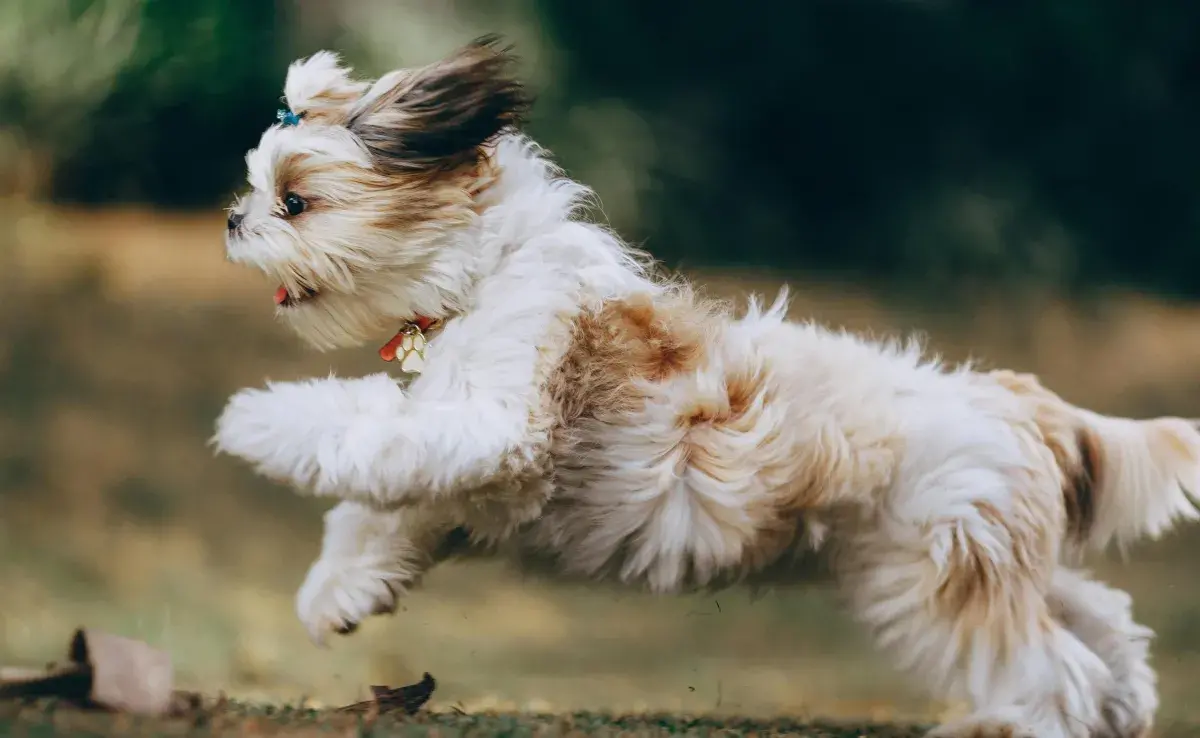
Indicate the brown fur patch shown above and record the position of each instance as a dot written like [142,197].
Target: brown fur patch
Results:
[438,117]
[756,523]
[1077,450]
[420,200]
[624,343]
[984,594]
[290,171]
[1079,493]
[645,340]
[432,199]
[330,106]
[725,414]
[730,411]
[972,583]
[482,176]
[403,202]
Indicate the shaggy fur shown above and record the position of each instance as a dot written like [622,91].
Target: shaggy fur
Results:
[579,409]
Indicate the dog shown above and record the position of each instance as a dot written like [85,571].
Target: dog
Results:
[585,409]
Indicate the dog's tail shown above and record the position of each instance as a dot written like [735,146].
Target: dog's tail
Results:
[1122,479]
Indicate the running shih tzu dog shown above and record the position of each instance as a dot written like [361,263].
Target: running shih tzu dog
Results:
[576,406]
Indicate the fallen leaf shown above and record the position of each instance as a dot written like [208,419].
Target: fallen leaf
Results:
[408,699]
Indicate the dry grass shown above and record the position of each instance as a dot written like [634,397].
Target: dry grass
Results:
[124,332]
[232,719]
[294,722]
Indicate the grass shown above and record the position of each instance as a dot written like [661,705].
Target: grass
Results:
[258,720]
[233,719]
[122,334]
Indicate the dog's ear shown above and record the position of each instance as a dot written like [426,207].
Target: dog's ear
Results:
[437,117]
[320,88]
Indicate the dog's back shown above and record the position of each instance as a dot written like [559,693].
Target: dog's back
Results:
[688,444]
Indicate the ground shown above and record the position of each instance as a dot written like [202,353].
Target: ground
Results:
[242,720]
[248,720]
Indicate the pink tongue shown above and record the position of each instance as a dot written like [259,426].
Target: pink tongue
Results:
[281,294]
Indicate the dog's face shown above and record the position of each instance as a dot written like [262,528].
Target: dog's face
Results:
[352,200]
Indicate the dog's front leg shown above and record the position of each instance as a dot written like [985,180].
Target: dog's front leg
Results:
[363,439]
[294,432]
[369,559]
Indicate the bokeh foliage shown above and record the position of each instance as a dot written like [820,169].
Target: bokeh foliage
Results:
[202,82]
[939,141]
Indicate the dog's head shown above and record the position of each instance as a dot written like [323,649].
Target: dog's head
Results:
[356,192]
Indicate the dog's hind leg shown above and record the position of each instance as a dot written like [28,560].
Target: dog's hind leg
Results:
[1102,618]
[954,580]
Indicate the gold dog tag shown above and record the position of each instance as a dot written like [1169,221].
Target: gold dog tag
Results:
[410,354]
[407,347]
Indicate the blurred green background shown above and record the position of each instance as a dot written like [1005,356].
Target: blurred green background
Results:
[1016,180]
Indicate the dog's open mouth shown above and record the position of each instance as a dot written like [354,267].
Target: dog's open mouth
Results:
[283,298]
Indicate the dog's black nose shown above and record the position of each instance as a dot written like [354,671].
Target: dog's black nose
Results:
[235,220]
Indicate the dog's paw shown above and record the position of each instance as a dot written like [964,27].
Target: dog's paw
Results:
[1128,709]
[338,594]
[274,429]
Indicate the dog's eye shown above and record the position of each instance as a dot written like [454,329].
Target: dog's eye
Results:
[294,203]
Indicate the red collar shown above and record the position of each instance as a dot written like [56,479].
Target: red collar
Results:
[422,323]
[388,351]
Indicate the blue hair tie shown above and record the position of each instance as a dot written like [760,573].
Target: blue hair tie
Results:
[287,118]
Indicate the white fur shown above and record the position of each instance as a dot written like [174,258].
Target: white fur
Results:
[454,426]
[310,81]
[360,570]
[924,472]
